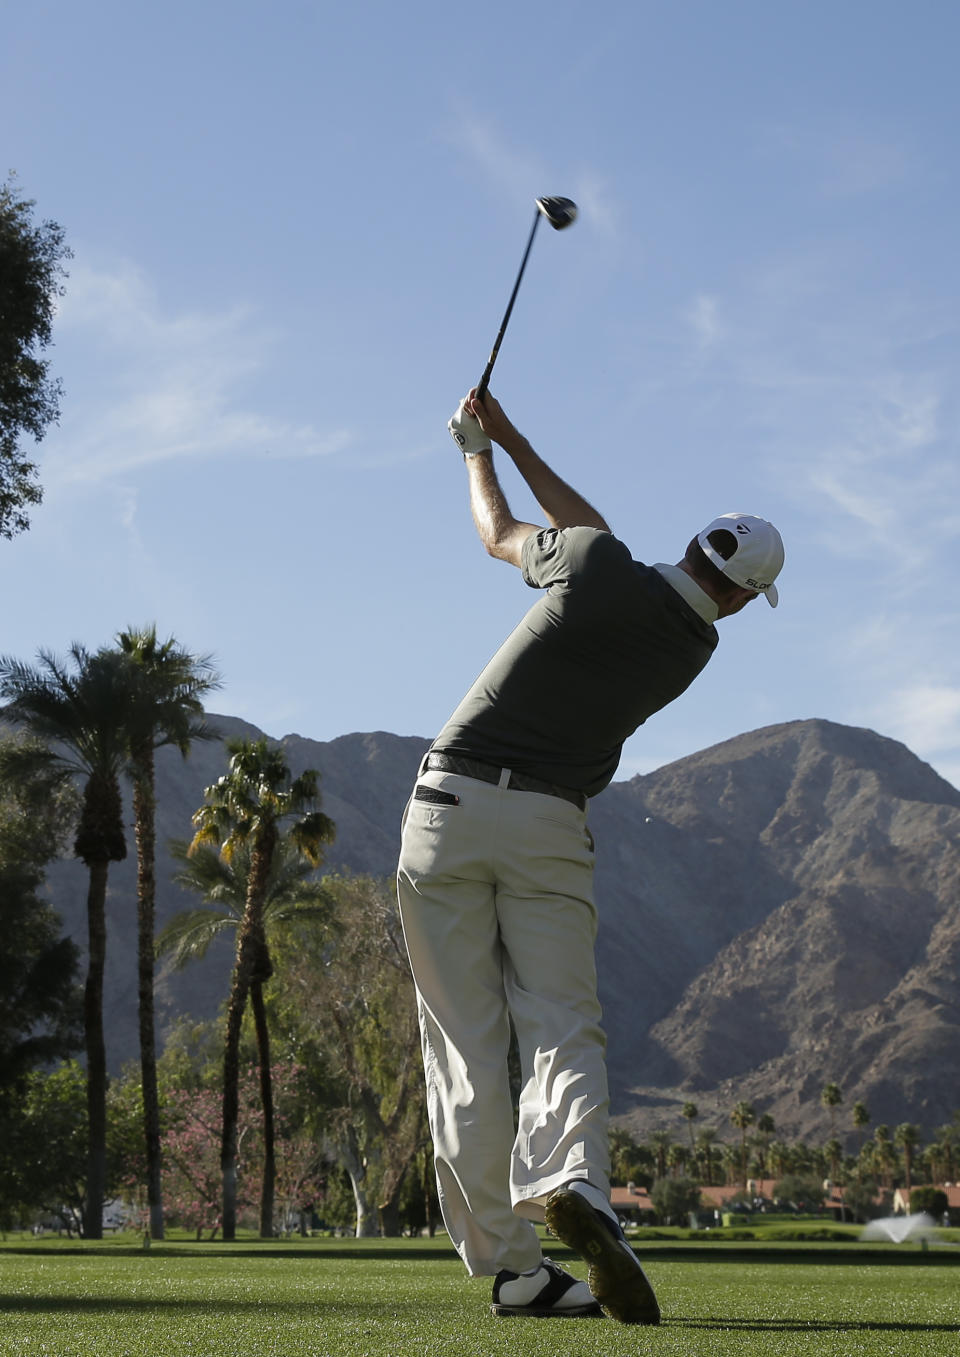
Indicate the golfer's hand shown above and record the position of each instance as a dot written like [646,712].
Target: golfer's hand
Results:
[466,431]
[489,415]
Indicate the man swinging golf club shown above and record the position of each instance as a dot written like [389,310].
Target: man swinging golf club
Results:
[495,878]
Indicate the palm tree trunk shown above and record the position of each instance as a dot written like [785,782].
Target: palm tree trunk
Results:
[231,1094]
[144,806]
[96,1052]
[251,930]
[266,1099]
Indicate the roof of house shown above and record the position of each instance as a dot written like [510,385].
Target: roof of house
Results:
[756,1187]
[630,1198]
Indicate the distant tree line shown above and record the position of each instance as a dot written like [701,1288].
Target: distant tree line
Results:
[802,1171]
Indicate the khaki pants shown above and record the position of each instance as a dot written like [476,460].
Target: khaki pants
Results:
[496,898]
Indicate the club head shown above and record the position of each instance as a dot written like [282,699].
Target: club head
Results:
[559,212]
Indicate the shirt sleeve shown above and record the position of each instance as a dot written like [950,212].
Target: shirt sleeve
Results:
[556,555]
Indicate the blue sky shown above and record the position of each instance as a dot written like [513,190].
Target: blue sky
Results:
[295,227]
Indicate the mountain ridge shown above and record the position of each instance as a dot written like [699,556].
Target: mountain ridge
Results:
[777,911]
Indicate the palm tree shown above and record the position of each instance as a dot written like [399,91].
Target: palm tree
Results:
[949,1137]
[624,1152]
[677,1157]
[660,1142]
[833,1153]
[167,685]
[742,1117]
[884,1157]
[779,1158]
[766,1126]
[706,1137]
[831,1098]
[861,1119]
[187,936]
[690,1112]
[933,1160]
[248,805]
[907,1136]
[77,708]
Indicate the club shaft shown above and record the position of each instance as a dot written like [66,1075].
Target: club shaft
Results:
[485,379]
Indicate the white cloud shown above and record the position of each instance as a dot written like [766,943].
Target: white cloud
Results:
[704,316]
[149,386]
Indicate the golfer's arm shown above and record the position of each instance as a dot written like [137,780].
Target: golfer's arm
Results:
[562,505]
[502,535]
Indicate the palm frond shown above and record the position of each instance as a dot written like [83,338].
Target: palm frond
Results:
[187,936]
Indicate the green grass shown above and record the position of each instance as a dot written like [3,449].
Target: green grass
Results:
[382,1298]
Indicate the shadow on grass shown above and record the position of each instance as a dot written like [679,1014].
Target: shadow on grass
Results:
[320,1253]
[820,1255]
[811,1325]
[51,1305]
[90,1305]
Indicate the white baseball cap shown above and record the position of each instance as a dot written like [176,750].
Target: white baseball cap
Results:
[755,555]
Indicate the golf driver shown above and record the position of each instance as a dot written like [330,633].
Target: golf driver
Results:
[559,212]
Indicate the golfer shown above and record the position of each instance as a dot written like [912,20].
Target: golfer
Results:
[495,878]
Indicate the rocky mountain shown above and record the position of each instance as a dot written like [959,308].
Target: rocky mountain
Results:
[778,911]
[783,910]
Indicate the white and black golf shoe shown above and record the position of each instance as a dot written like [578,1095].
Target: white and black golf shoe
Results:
[615,1277]
[547,1292]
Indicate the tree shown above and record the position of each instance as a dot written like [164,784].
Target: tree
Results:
[883,1154]
[949,1137]
[934,1162]
[166,708]
[31,280]
[833,1151]
[77,709]
[290,897]
[677,1158]
[346,1000]
[766,1126]
[660,1142]
[861,1200]
[803,1192]
[689,1112]
[52,1148]
[674,1198]
[861,1120]
[779,1158]
[193,1187]
[40,1002]
[907,1136]
[831,1098]
[248,805]
[931,1199]
[743,1116]
[707,1152]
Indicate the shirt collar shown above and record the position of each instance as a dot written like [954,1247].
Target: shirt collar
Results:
[701,603]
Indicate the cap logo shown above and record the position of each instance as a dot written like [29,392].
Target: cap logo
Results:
[743,527]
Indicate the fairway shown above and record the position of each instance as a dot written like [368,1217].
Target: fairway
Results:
[381,1298]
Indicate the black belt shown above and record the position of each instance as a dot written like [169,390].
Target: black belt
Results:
[488,772]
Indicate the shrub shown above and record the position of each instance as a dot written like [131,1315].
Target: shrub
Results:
[933,1200]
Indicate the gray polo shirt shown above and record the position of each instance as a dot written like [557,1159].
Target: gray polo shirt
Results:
[609,642]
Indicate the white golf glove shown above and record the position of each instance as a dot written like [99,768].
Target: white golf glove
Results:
[466,432]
